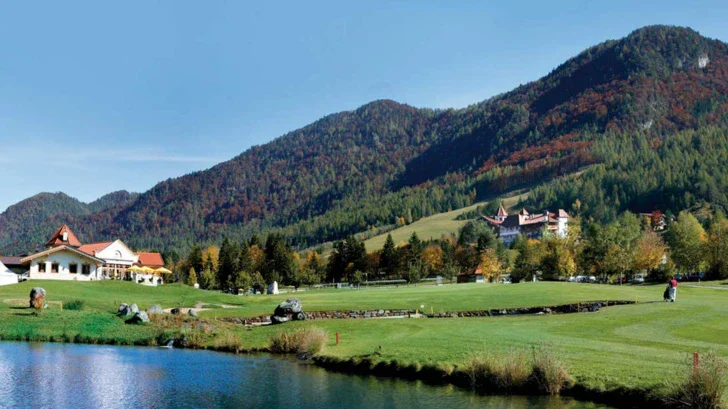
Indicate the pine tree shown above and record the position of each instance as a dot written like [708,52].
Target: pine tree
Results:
[194,259]
[415,248]
[388,259]
[227,265]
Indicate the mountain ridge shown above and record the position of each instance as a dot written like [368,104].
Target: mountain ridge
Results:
[385,161]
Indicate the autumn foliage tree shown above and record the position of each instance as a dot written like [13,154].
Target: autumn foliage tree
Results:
[490,265]
[649,253]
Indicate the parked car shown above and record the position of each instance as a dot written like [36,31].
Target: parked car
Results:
[571,279]
[592,279]
[581,279]
[638,278]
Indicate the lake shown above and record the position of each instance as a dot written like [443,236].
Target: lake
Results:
[91,376]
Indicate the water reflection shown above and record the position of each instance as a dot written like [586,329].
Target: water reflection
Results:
[85,376]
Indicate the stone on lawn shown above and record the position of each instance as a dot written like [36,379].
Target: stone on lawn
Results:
[37,298]
[138,318]
[175,311]
[155,309]
[134,308]
[287,310]
[192,312]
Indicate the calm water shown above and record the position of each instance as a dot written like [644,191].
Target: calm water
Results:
[88,376]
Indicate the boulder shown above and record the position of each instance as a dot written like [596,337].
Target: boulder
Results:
[290,306]
[138,318]
[124,310]
[279,319]
[290,309]
[133,308]
[175,311]
[192,313]
[37,298]
[155,309]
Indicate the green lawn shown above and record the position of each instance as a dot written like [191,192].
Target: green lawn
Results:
[433,227]
[634,345]
[107,295]
[637,345]
[446,298]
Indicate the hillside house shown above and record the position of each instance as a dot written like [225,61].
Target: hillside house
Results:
[528,224]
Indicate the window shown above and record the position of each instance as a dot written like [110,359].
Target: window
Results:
[42,267]
[86,269]
[73,268]
[54,267]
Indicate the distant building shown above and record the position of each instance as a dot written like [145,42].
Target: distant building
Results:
[476,276]
[532,225]
[656,219]
[65,258]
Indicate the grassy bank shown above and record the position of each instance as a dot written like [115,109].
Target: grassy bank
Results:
[625,347]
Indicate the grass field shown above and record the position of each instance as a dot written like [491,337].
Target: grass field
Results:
[635,346]
[435,226]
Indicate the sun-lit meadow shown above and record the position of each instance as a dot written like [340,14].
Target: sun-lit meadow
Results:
[634,346]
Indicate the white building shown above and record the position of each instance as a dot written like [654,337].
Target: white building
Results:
[67,259]
[511,226]
[63,263]
[7,276]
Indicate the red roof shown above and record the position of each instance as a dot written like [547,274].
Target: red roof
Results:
[492,220]
[150,259]
[93,248]
[502,211]
[57,238]
[562,213]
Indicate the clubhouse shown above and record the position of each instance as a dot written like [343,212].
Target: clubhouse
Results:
[65,258]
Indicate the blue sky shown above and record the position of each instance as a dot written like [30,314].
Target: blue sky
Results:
[103,96]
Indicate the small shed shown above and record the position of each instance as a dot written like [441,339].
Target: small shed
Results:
[475,276]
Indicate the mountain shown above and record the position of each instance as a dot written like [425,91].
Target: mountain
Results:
[112,200]
[386,163]
[27,221]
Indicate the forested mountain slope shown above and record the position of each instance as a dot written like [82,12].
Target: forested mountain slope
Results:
[388,163]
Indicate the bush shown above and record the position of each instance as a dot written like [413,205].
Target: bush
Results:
[703,387]
[75,305]
[507,373]
[309,340]
[227,341]
[549,374]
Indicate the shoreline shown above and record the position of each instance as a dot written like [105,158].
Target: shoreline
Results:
[620,397]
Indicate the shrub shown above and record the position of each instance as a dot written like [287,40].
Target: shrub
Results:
[75,305]
[549,374]
[702,387]
[310,340]
[227,341]
[507,372]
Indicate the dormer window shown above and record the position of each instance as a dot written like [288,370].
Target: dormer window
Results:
[65,235]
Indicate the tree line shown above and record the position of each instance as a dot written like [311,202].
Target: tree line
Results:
[613,252]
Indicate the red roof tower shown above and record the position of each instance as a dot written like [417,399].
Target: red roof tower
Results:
[63,237]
